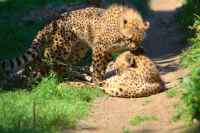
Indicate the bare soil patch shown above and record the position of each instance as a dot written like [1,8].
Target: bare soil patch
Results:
[162,46]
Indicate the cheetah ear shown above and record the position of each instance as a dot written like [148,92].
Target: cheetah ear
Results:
[130,59]
[123,2]
[146,25]
[125,21]
[141,50]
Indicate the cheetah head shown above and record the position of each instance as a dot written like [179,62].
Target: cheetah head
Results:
[125,62]
[133,29]
[134,33]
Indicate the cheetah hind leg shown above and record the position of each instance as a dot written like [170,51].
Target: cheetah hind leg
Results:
[83,69]
[64,72]
[75,84]
[116,92]
[113,91]
[81,76]
[16,77]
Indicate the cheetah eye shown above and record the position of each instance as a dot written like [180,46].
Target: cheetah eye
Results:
[117,72]
[140,39]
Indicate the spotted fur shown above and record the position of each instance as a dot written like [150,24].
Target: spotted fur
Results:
[66,40]
[137,76]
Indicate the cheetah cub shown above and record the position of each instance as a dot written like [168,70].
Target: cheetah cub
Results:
[137,76]
[65,40]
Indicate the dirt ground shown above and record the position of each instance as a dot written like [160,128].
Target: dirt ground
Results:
[162,46]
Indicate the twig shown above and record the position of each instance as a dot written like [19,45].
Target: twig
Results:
[34,114]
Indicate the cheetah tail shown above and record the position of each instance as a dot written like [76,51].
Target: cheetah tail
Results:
[25,58]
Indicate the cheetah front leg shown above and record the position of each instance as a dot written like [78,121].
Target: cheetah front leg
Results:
[101,59]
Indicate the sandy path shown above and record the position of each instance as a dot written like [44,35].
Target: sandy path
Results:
[162,45]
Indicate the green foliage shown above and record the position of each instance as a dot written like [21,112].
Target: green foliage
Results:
[190,107]
[173,92]
[190,56]
[138,119]
[192,96]
[178,104]
[54,108]
[146,101]
[184,16]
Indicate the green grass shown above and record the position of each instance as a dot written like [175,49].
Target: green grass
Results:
[127,131]
[183,115]
[173,92]
[138,119]
[54,108]
[184,16]
[177,104]
[146,101]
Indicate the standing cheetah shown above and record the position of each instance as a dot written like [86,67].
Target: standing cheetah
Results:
[65,40]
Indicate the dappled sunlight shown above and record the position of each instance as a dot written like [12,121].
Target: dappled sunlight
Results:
[165,5]
[163,38]
[4,0]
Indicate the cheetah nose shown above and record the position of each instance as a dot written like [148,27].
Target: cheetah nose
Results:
[132,46]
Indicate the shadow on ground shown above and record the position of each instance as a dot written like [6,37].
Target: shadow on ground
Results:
[163,41]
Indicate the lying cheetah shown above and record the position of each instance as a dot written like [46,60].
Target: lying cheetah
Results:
[137,76]
[66,39]
[49,13]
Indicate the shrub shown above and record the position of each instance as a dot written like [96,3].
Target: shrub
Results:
[184,16]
